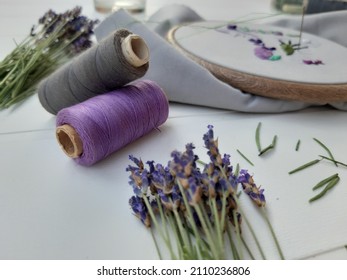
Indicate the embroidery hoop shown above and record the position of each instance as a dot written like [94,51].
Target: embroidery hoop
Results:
[230,57]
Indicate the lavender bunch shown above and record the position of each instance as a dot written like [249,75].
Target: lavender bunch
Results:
[199,207]
[55,39]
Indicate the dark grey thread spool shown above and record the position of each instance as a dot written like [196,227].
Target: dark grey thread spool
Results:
[117,60]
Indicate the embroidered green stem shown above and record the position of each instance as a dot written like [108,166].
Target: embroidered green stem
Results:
[302,23]
[245,158]
[304,166]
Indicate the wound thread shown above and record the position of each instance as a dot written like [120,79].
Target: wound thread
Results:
[119,59]
[110,121]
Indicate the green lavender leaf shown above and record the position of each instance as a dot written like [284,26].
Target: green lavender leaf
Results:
[297,145]
[334,161]
[304,166]
[325,148]
[329,186]
[245,158]
[270,147]
[257,137]
[325,181]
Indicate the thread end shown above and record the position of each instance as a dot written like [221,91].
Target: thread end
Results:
[135,50]
[69,141]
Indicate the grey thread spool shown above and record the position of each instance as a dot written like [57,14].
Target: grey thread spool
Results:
[117,60]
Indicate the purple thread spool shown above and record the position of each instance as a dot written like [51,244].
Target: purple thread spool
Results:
[99,126]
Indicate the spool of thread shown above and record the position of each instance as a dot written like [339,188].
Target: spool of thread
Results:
[90,131]
[117,60]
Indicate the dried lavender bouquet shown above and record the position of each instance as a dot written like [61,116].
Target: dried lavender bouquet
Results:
[195,212]
[55,39]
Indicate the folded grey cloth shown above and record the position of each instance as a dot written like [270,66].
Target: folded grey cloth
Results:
[185,81]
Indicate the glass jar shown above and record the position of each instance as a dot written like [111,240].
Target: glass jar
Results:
[311,6]
[108,6]
[289,6]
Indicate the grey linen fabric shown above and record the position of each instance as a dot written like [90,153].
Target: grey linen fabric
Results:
[185,81]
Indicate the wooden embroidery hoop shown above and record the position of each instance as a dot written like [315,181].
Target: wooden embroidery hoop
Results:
[223,52]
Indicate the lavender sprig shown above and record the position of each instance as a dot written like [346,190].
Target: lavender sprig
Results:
[52,42]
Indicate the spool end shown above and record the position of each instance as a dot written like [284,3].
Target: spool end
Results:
[135,50]
[69,141]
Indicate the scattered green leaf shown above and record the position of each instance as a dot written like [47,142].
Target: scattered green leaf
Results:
[270,147]
[304,166]
[245,158]
[328,187]
[257,137]
[325,181]
[325,148]
[297,145]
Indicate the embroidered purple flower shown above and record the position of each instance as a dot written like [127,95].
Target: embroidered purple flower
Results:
[250,188]
[277,33]
[263,52]
[232,26]
[312,62]
[256,41]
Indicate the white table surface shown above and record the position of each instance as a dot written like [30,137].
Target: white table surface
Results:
[52,208]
